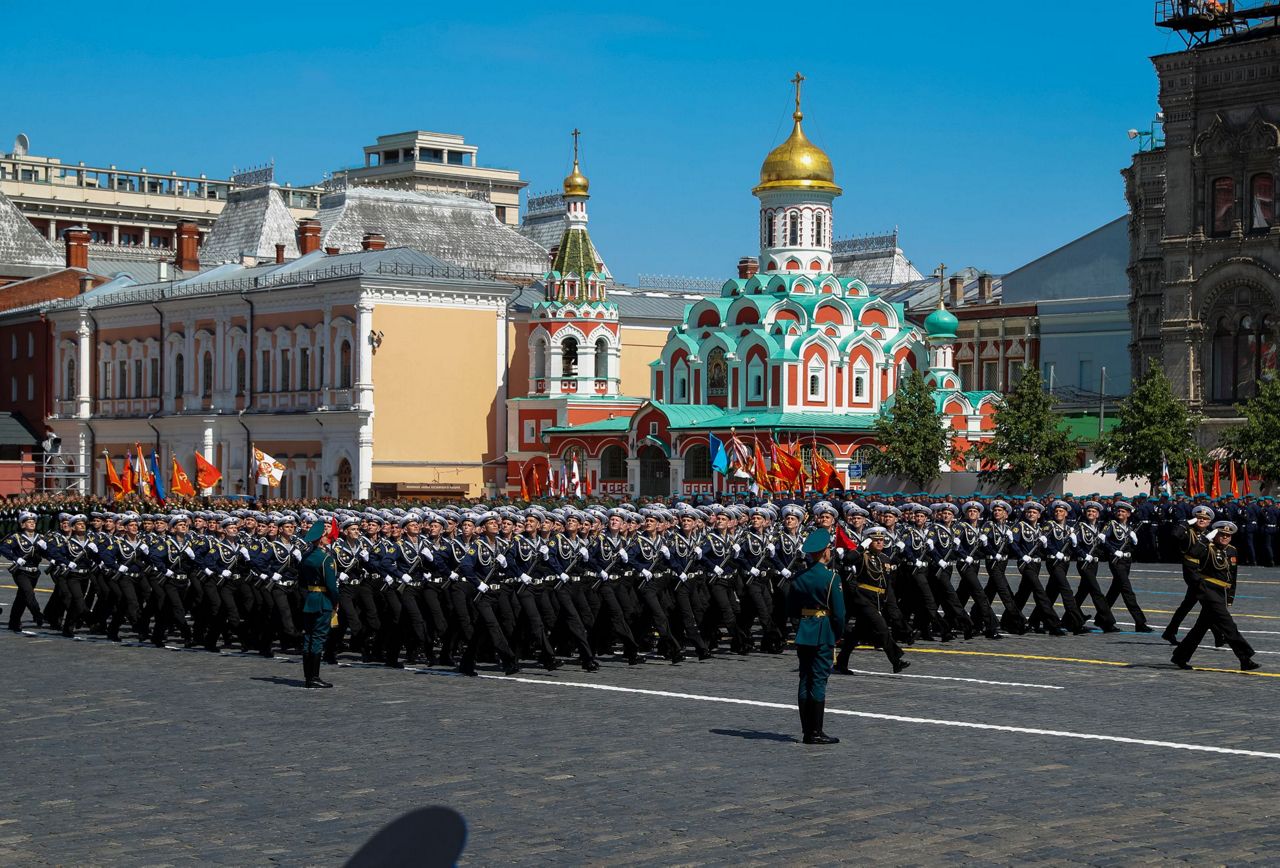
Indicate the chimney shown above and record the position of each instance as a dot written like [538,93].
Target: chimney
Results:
[308,236]
[77,238]
[374,241]
[188,247]
[986,290]
[162,270]
[331,251]
[957,291]
[747,267]
[279,254]
[86,283]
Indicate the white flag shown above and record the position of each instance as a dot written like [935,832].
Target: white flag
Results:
[576,480]
[270,471]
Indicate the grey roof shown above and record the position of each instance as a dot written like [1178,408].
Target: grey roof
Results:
[876,260]
[138,270]
[1095,265]
[253,222]
[14,433]
[20,243]
[921,296]
[461,231]
[667,308]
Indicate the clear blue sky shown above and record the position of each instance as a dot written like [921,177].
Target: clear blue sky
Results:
[989,133]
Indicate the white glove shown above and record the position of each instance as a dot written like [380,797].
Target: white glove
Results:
[275,577]
[1074,539]
[526,579]
[1026,559]
[840,552]
[1126,554]
[42,544]
[244,552]
[564,577]
[1059,556]
[342,577]
[453,576]
[406,578]
[1133,537]
[785,573]
[169,574]
[1044,540]
[920,564]
[364,554]
[942,565]
[226,574]
[902,544]
[208,572]
[145,550]
[772,549]
[1211,534]
[754,571]
[188,552]
[622,556]
[1088,559]
[387,579]
[297,555]
[736,548]
[718,571]
[968,559]
[982,538]
[1191,521]
[93,547]
[74,565]
[666,552]
[483,587]
[1009,534]
[543,550]
[647,574]
[122,569]
[20,562]
[930,542]
[502,560]
[582,551]
[604,575]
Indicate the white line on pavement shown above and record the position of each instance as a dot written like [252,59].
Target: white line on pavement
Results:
[955,678]
[899,718]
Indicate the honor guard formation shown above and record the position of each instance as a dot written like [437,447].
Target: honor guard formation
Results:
[455,586]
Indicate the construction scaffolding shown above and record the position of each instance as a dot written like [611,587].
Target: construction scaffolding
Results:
[1202,21]
[59,474]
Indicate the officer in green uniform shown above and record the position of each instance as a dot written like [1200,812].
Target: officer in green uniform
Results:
[815,602]
[318,574]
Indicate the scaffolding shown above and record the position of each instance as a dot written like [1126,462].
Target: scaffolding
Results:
[1202,21]
[59,474]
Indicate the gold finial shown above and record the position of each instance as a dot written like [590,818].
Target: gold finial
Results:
[942,285]
[797,82]
[576,183]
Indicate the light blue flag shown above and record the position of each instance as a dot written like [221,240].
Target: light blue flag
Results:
[719,457]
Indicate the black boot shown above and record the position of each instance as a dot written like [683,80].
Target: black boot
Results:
[307,673]
[315,672]
[817,709]
[804,719]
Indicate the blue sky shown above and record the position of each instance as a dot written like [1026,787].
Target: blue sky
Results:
[989,134]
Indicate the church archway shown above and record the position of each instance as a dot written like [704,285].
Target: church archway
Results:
[655,473]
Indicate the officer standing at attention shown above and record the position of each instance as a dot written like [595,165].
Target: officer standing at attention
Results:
[815,602]
[318,574]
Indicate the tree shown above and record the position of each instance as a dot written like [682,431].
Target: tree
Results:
[1028,443]
[917,442]
[1257,441]
[1155,426]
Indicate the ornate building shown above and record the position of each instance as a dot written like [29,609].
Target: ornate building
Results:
[1204,263]
[787,352]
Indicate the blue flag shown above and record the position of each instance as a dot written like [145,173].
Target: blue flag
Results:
[157,484]
[719,457]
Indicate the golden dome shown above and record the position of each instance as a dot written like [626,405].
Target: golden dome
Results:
[797,163]
[576,183]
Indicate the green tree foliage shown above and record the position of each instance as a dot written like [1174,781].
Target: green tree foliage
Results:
[1154,426]
[1028,443]
[1257,441]
[917,441]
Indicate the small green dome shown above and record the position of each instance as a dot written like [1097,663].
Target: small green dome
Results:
[941,323]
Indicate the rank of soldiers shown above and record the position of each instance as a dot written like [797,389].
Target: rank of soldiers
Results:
[454,586]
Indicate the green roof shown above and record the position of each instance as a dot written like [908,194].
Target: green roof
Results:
[1084,426]
[616,424]
[802,421]
[686,415]
[576,254]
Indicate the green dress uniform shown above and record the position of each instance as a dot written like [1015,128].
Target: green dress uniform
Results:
[815,601]
[318,574]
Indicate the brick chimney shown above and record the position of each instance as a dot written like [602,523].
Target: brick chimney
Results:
[279,254]
[374,241]
[188,247]
[331,251]
[986,289]
[86,283]
[747,267]
[308,236]
[957,291]
[77,238]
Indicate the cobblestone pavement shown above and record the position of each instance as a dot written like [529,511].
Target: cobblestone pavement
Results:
[1041,750]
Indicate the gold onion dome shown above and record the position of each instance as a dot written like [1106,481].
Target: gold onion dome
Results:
[797,163]
[576,183]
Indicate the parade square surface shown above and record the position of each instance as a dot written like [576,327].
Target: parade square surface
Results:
[1033,749]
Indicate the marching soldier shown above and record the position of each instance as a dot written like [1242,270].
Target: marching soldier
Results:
[318,574]
[25,549]
[1215,591]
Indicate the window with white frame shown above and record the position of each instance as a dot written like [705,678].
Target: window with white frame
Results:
[817,380]
[530,431]
[860,383]
[755,380]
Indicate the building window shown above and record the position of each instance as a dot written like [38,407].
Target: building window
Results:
[755,380]
[179,376]
[1262,202]
[31,387]
[965,369]
[241,373]
[860,385]
[264,372]
[569,357]
[500,211]
[540,359]
[768,231]
[613,464]
[31,345]
[304,369]
[206,375]
[1224,195]
[122,379]
[1015,373]
[530,431]
[137,378]
[793,229]
[602,359]
[69,384]
[653,429]
[1242,350]
[155,378]
[817,230]
[990,375]
[817,380]
[344,364]
[286,380]
[697,463]
[680,383]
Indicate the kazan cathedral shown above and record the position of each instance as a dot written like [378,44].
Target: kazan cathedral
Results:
[788,353]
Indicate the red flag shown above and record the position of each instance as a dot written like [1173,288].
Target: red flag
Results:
[1200,489]
[758,471]
[825,477]
[524,489]
[179,482]
[1235,485]
[1191,479]
[141,476]
[1244,468]
[1216,490]
[113,478]
[787,467]
[127,484]
[207,476]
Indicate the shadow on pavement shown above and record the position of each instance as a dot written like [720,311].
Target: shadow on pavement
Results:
[276,679]
[754,734]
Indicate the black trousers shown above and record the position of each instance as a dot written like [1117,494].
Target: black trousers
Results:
[25,599]
[73,590]
[970,588]
[567,620]
[1030,586]
[1089,588]
[461,627]
[649,595]
[721,614]
[1058,585]
[757,605]
[1121,587]
[943,592]
[535,637]
[865,608]
[127,606]
[490,633]
[920,602]
[1188,603]
[1215,616]
[172,613]
[221,612]
[612,614]
[684,596]
[413,628]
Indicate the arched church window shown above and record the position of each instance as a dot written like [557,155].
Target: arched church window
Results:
[70,383]
[1224,196]
[179,376]
[540,359]
[344,365]
[859,385]
[755,380]
[206,376]
[817,370]
[680,383]
[793,229]
[768,231]
[613,464]
[602,359]
[717,374]
[569,357]
[1262,201]
[818,238]
[1241,347]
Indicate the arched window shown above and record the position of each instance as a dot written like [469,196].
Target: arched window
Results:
[613,464]
[70,382]
[793,229]
[859,385]
[1224,200]
[304,369]
[1241,347]
[817,379]
[697,463]
[817,230]
[264,371]
[540,359]
[241,373]
[717,374]
[344,480]
[680,383]
[569,357]
[206,375]
[344,365]
[768,231]
[755,379]
[286,371]
[1262,202]
[602,359]
[179,376]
